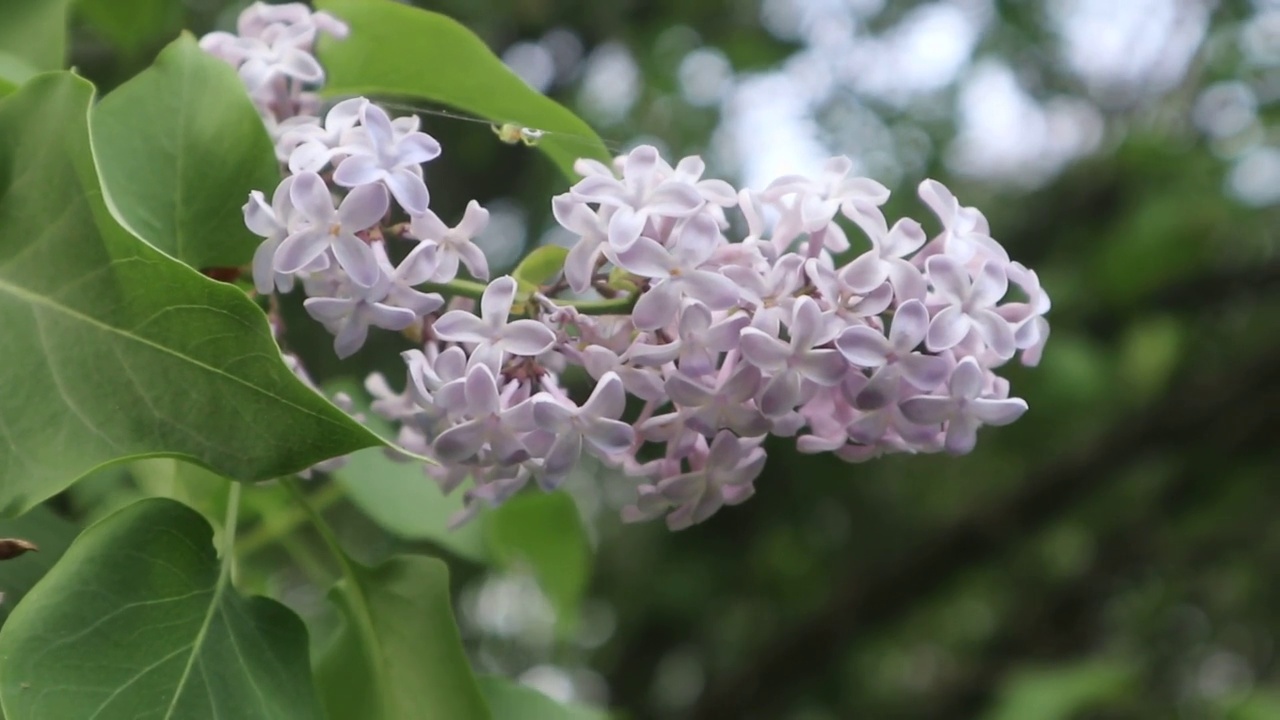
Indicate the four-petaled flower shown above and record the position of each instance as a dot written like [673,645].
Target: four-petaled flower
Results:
[380,154]
[965,408]
[491,332]
[324,228]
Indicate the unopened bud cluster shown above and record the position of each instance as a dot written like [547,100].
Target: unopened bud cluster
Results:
[714,340]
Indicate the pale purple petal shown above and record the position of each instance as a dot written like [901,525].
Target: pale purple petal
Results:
[473,257]
[780,395]
[990,285]
[904,238]
[350,338]
[910,324]
[715,290]
[674,199]
[863,346]
[926,372]
[312,198]
[948,329]
[698,238]
[962,434]
[807,324]
[561,459]
[657,306]
[866,273]
[460,442]
[300,249]
[997,412]
[687,393]
[462,326]
[428,226]
[646,258]
[357,258]
[609,437]
[328,310]
[825,367]
[995,332]
[416,148]
[358,171]
[966,380]
[482,392]
[907,280]
[408,189]
[580,263]
[949,278]
[625,227]
[391,318]
[928,409]
[527,337]
[765,352]
[259,216]
[496,302]
[363,207]
[608,399]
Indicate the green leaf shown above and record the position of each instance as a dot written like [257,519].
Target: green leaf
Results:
[114,351]
[193,486]
[398,50]
[139,619]
[400,498]
[541,266]
[35,31]
[1058,693]
[131,25]
[542,533]
[178,149]
[512,701]
[51,533]
[13,72]
[398,655]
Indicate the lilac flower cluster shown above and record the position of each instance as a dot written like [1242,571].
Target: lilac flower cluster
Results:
[722,338]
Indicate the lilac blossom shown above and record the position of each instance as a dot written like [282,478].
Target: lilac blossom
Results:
[491,331]
[454,245]
[791,364]
[965,408]
[594,425]
[675,274]
[968,304]
[722,340]
[323,228]
[380,154]
[272,223]
[644,191]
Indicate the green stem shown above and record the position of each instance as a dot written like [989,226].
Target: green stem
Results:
[283,524]
[355,593]
[229,527]
[475,290]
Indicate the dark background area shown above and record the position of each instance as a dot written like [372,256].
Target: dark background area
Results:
[1114,554]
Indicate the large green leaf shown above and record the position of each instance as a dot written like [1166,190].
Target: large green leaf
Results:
[399,50]
[51,533]
[178,149]
[139,619]
[13,72]
[398,655]
[511,701]
[543,535]
[131,25]
[35,31]
[112,350]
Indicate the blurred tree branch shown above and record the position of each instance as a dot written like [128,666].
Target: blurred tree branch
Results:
[862,604]
[1063,619]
